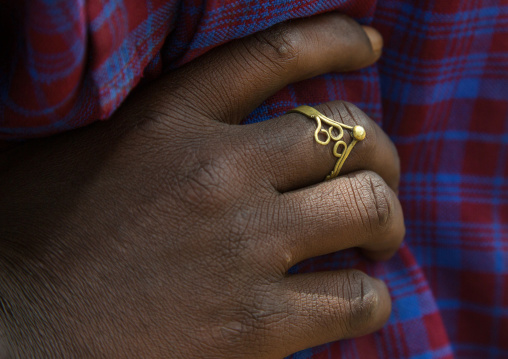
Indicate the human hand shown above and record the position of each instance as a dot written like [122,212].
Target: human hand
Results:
[168,230]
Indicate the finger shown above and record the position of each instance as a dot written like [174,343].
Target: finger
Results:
[293,159]
[329,306]
[238,76]
[356,210]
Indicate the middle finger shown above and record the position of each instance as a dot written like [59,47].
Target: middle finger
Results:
[291,158]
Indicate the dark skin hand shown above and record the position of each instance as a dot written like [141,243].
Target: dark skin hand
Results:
[168,231]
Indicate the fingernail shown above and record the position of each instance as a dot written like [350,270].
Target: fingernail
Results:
[376,40]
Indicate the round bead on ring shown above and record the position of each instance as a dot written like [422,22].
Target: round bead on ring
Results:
[335,133]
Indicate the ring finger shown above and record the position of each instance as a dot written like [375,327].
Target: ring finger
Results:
[354,210]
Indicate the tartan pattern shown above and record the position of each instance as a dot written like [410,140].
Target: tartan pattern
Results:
[440,91]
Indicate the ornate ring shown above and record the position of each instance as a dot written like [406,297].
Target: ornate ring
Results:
[334,133]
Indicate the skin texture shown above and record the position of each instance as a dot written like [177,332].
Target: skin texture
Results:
[168,230]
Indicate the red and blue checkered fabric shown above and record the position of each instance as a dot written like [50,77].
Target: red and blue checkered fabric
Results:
[440,91]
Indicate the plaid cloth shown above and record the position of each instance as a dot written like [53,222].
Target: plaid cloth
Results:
[440,91]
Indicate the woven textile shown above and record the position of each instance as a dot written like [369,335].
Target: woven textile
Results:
[440,91]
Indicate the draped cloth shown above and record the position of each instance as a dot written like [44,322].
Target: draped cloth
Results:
[440,91]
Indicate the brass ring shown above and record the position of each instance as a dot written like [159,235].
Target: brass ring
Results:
[334,133]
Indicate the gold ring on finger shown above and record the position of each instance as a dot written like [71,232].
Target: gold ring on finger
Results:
[334,133]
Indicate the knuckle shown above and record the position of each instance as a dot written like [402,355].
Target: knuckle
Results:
[350,114]
[374,200]
[360,302]
[241,237]
[382,198]
[204,181]
[375,138]
[232,334]
[207,183]
[243,326]
[358,117]
[280,45]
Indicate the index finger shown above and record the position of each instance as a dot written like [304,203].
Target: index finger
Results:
[247,71]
